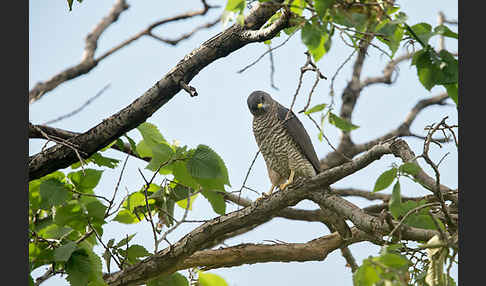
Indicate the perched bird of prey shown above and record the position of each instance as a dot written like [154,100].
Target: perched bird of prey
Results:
[283,141]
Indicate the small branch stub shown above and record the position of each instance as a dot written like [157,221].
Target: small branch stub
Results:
[189,89]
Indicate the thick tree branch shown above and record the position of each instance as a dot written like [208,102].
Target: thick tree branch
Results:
[137,112]
[314,250]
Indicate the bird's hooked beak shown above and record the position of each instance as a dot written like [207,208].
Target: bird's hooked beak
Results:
[260,105]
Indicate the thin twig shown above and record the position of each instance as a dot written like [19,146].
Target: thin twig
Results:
[247,174]
[77,110]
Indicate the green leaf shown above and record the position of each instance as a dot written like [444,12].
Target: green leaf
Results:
[136,251]
[95,208]
[445,31]
[393,36]
[143,149]
[161,154]
[396,200]
[341,123]
[366,275]
[103,161]
[311,36]
[452,91]
[449,68]
[67,213]
[211,279]
[125,216]
[321,6]
[52,193]
[79,268]
[125,241]
[216,200]
[183,203]
[150,133]
[297,6]
[429,73]
[207,168]
[315,108]
[85,181]
[63,252]
[385,179]
[175,279]
[54,231]
[410,168]
[182,175]
[321,50]
[137,199]
[423,31]
[235,5]
[394,261]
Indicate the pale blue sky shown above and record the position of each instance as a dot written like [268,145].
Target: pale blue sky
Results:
[219,117]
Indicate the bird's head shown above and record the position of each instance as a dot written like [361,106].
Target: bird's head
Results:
[259,102]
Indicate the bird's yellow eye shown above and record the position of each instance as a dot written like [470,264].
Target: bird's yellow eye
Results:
[260,105]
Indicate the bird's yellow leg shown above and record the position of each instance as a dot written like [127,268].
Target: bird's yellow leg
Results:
[290,180]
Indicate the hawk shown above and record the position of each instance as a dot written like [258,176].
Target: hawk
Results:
[285,145]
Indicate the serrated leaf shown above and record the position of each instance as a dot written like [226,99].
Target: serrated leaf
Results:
[175,279]
[204,164]
[211,279]
[410,168]
[85,181]
[341,123]
[216,200]
[396,200]
[322,6]
[150,133]
[385,179]
[315,108]
[52,193]
[63,252]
